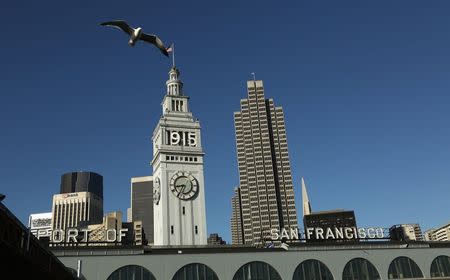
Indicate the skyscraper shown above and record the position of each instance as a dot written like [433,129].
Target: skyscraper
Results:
[142,203]
[267,194]
[179,188]
[82,182]
[237,235]
[80,200]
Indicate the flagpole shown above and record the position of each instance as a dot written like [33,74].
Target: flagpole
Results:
[173,55]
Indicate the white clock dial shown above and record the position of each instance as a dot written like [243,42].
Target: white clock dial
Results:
[183,185]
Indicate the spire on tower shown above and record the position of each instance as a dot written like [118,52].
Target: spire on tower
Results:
[305,200]
[174,84]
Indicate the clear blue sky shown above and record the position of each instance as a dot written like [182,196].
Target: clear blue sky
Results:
[364,86]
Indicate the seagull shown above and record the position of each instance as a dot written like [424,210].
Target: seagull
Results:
[137,34]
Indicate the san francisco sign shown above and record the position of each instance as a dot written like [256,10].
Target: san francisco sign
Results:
[329,233]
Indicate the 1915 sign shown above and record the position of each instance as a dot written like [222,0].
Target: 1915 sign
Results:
[181,138]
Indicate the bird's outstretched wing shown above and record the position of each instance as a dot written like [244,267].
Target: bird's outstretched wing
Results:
[153,39]
[121,24]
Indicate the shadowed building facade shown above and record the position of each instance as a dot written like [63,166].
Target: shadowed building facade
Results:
[142,204]
[266,189]
[237,235]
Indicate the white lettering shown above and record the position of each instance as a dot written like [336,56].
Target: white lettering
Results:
[122,233]
[339,233]
[174,138]
[371,232]
[319,232]
[111,233]
[72,233]
[380,233]
[329,234]
[309,232]
[284,234]
[294,233]
[58,235]
[85,235]
[192,139]
[274,234]
[361,233]
[348,233]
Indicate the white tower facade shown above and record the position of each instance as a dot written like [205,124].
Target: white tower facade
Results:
[178,184]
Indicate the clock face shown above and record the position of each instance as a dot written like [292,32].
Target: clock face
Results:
[156,191]
[183,185]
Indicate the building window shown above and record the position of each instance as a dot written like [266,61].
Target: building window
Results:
[184,210]
[404,267]
[257,270]
[440,267]
[196,229]
[131,272]
[360,268]
[195,271]
[171,229]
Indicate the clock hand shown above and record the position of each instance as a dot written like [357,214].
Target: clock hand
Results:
[182,189]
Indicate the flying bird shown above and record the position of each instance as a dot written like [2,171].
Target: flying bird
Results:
[137,34]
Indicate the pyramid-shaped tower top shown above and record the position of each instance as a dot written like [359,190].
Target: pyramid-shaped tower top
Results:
[305,200]
[174,84]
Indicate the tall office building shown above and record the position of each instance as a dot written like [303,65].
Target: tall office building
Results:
[406,232]
[80,200]
[70,210]
[179,186]
[267,194]
[325,220]
[237,235]
[142,203]
[82,182]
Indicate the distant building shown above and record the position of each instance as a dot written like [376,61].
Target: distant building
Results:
[215,239]
[237,234]
[439,234]
[103,232]
[329,219]
[142,203]
[71,209]
[82,181]
[406,232]
[266,188]
[80,200]
[40,224]
[129,215]
[324,219]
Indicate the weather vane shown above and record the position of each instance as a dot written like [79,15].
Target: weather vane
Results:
[137,34]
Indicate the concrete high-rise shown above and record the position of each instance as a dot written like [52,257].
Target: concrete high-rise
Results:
[267,194]
[406,232]
[142,204]
[439,234]
[237,234]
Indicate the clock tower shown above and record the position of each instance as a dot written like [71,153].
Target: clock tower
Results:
[178,188]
